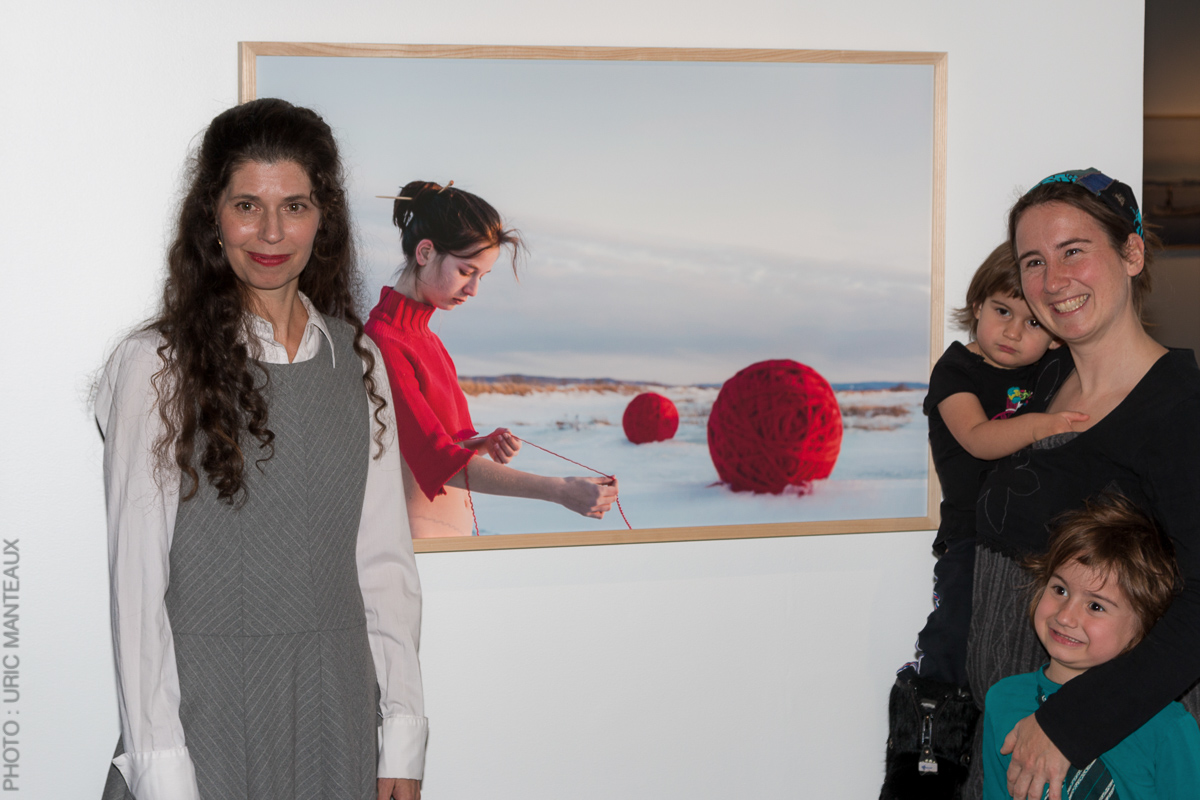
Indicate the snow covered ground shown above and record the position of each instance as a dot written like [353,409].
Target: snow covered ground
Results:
[881,471]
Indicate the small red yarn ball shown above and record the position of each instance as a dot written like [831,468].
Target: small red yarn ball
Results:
[650,417]
[775,424]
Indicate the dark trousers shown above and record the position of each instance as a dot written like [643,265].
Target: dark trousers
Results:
[942,643]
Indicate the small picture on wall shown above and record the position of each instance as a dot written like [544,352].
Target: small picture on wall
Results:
[728,300]
[1171,185]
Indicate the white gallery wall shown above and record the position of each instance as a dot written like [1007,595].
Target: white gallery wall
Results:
[756,668]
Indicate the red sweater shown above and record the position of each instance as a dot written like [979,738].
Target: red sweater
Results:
[431,410]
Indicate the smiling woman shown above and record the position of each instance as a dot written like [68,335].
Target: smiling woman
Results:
[1077,281]
[264,591]
[1083,257]
[268,221]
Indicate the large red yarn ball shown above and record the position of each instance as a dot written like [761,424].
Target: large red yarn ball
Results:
[650,417]
[775,424]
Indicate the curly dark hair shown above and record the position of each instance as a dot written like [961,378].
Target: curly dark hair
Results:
[211,384]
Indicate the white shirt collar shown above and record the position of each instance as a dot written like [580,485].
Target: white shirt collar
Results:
[310,343]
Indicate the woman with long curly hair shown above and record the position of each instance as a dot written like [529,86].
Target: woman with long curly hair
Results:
[265,601]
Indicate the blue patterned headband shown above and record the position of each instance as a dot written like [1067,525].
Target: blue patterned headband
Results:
[1116,195]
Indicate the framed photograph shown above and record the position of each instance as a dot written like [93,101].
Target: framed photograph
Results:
[1171,184]
[688,213]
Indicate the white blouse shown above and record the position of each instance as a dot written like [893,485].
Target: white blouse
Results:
[141,523]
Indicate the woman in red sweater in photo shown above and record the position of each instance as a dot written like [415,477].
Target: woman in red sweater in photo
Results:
[451,239]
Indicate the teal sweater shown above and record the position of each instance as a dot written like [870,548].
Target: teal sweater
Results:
[1160,760]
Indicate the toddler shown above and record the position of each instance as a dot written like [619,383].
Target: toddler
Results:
[974,392]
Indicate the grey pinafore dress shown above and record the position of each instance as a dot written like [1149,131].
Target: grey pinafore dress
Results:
[278,688]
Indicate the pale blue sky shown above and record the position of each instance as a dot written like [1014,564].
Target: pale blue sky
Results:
[684,219]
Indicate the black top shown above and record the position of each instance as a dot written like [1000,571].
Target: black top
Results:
[1001,392]
[1147,448]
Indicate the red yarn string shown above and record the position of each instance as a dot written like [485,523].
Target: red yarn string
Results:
[470,500]
[585,466]
[467,482]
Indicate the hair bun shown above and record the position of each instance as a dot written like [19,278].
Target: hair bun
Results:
[413,194]
[454,220]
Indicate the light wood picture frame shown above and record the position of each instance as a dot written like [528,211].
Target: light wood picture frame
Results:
[823,206]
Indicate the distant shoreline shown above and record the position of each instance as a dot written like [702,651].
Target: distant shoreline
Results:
[535,383]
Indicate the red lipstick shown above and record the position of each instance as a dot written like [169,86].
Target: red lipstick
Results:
[269,260]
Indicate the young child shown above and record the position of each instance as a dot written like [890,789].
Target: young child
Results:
[1106,579]
[974,392]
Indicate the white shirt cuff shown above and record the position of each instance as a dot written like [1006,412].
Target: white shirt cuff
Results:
[402,747]
[159,774]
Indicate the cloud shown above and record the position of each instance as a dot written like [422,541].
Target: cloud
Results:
[589,306]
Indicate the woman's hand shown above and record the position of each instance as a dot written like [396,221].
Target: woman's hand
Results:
[502,445]
[1035,762]
[399,789]
[591,497]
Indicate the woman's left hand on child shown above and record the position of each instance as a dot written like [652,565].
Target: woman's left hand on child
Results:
[502,445]
[1036,761]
